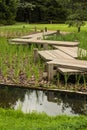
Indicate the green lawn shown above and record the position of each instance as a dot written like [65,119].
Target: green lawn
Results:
[28,27]
[16,120]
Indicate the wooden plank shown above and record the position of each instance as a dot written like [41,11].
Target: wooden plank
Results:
[45,56]
[61,54]
[71,64]
[40,34]
[50,72]
[53,54]
[60,43]
[72,51]
[57,54]
[33,36]
[68,71]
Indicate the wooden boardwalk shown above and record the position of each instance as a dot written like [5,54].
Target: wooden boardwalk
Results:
[47,42]
[72,51]
[50,55]
[64,63]
[66,66]
[71,64]
[63,57]
[39,35]
[37,39]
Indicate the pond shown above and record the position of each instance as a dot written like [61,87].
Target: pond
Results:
[52,103]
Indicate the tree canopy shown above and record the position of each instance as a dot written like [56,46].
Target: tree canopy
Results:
[8,11]
[42,11]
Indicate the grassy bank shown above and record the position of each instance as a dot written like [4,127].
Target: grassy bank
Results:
[16,120]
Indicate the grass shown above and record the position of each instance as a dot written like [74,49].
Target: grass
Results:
[16,120]
[23,29]
[80,37]
[60,37]
[17,64]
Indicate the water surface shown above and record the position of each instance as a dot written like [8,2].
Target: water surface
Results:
[52,103]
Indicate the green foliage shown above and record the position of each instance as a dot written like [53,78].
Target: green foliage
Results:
[17,63]
[67,37]
[8,11]
[25,8]
[16,120]
[44,11]
[77,15]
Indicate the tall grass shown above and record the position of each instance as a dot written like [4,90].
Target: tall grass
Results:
[60,37]
[16,63]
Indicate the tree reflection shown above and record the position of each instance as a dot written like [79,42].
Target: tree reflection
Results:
[77,104]
[9,96]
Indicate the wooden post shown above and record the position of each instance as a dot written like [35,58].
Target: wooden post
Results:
[50,71]
[58,32]
[41,30]
[45,46]
[35,55]
[45,29]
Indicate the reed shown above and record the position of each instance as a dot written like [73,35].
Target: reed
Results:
[84,80]
[18,59]
[66,77]
[61,37]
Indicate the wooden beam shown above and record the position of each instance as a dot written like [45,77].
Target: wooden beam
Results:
[35,55]
[59,43]
[50,71]
[71,64]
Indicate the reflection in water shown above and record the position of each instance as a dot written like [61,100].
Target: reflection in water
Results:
[52,103]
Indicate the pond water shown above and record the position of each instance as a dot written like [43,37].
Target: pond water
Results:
[52,103]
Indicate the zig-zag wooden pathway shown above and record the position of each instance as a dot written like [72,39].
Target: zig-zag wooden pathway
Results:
[63,57]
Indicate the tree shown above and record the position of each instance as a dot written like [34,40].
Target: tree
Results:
[44,11]
[8,11]
[77,14]
[26,8]
[55,11]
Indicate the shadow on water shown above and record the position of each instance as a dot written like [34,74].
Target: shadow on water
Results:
[52,103]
